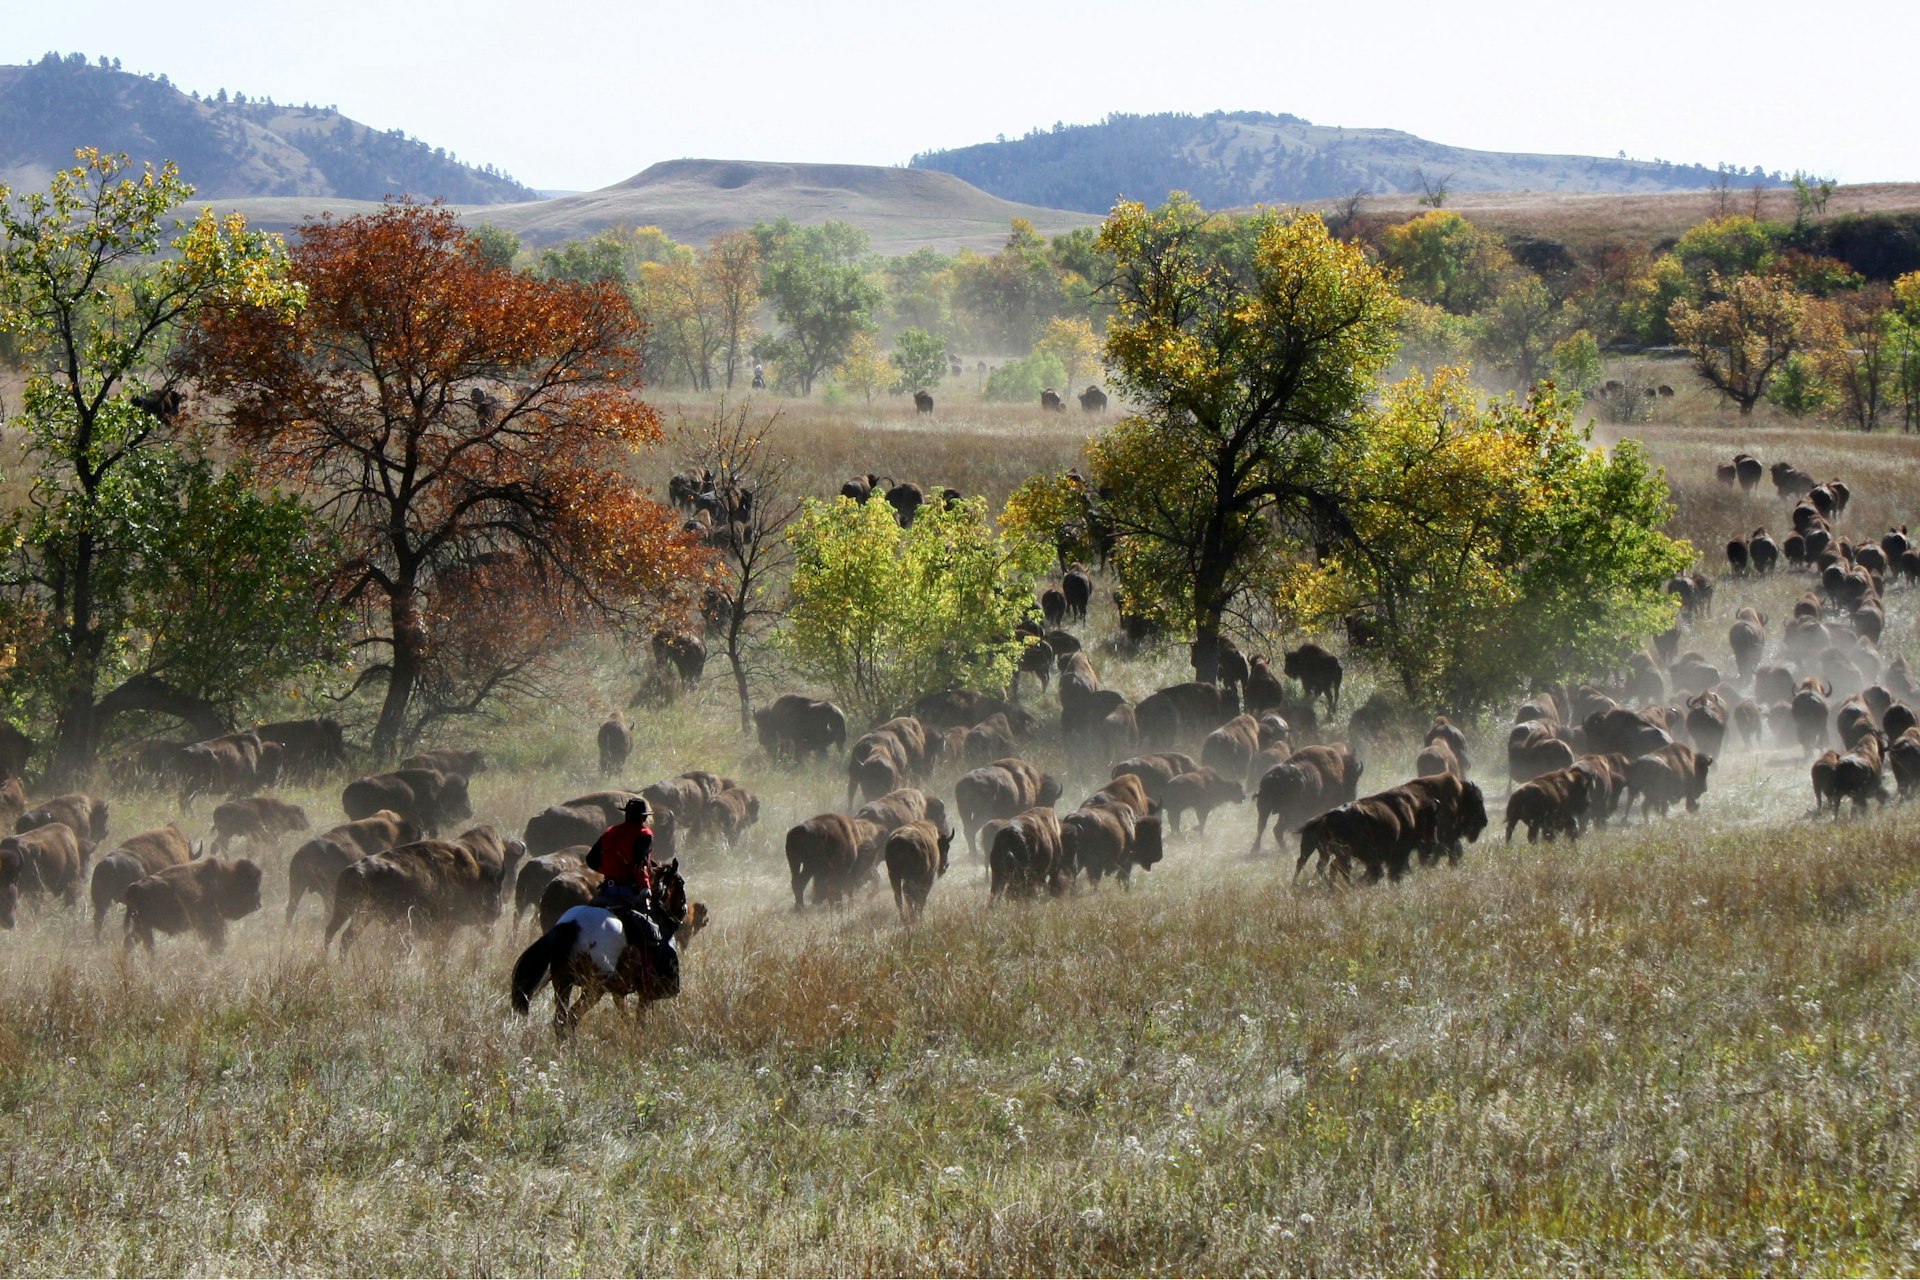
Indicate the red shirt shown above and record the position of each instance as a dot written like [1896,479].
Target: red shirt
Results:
[620,854]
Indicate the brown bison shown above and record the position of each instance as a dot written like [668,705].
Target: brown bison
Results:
[137,858]
[1110,840]
[891,756]
[1125,790]
[437,885]
[537,873]
[799,726]
[1000,790]
[16,748]
[834,853]
[916,856]
[1050,399]
[577,821]
[316,865]
[1183,713]
[1533,748]
[84,816]
[1026,857]
[428,798]
[46,860]
[200,896]
[1230,749]
[13,802]
[615,739]
[466,763]
[1673,773]
[1200,792]
[1313,780]
[1381,832]
[1156,769]
[307,747]
[255,818]
[1859,775]
[1552,804]
[1459,814]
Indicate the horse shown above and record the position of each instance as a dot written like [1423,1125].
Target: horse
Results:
[592,949]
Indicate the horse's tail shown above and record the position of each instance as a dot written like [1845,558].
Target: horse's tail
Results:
[536,963]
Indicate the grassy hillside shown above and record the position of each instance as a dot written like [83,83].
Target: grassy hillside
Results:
[1247,157]
[1685,1047]
[225,148]
[695,200]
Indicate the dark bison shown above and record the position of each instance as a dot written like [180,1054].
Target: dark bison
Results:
[834,853]
[1077,583]
[200,896]
[615,738]
[307,747]
[437,885]
[1319,673]
[922,402]
[1050,399]
[1381,832]
[797,727]
[916,856]
[427,798]
[1533,748]
[537,873]
[255,818]
[135,859]
[1110,840]
[1026,857]
[682,652]
[16,748]
[1156,769]
[1093,400]
[49,859]
[577,821]
[1183,713]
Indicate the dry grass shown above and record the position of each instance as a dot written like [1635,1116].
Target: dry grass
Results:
[1687,1048]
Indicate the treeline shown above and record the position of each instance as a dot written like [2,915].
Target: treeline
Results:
[813,306]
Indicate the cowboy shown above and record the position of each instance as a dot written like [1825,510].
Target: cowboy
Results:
[621,855]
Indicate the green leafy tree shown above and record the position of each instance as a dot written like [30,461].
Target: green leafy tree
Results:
[1518,328]
[817,281]
[1009,297]
[1022,381]
[1905,338]
[1493,543]
[879,614]
[921,359]
[1071,341]
[496,244]
[1576,362]
[97,309]
[1798,390]
[919,288]
[1854,344]
[1250,358]
[1447,262]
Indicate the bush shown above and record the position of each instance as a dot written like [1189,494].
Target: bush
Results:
[880,614]
[1023,380]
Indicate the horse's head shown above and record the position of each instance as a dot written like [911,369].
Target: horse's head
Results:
[667,900]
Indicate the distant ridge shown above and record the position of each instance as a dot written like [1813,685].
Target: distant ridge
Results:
[696,200]
[227,148]
[1227,159]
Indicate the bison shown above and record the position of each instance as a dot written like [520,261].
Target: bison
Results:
[1201,791]
[436,884]
[834,853]
[916,856]
[255,818]
[202,896]
[137,858]
[797,727]
[49,859]
[1108,840]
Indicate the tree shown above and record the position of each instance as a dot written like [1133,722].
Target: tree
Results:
[1073,344]
[1011,295]
[463,427]
[816,279]
[96,316]
[1022,381]
[732,268]
[1492,544]
[1519,327]
[1855,347]
[1740,341]
[497,245]
[1446,261]
[1249,365]
[1905,338]
[880,614]
[864,370]
[1576,362]
[921,359]
[741,454]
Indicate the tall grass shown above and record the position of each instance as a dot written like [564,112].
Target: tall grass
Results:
[1683,1048]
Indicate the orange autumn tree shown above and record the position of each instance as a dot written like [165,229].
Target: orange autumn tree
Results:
[467,430]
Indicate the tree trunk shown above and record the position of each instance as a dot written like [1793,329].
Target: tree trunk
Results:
[77,728]
[408,643]
[1206,649]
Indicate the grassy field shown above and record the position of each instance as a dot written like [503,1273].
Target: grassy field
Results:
[1684,1048]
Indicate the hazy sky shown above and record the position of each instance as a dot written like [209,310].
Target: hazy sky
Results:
[584,93]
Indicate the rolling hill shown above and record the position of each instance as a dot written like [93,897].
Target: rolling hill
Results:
[1249,157]
[226,148]
[695,200]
